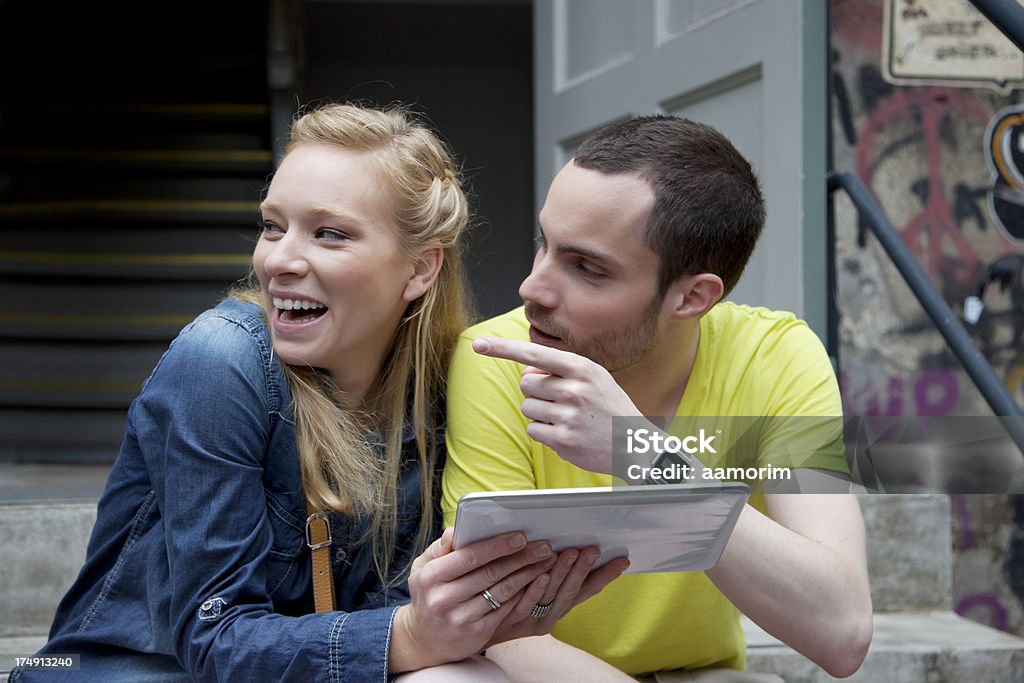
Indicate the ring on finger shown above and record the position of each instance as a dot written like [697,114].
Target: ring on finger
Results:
[491,600]
[540,611]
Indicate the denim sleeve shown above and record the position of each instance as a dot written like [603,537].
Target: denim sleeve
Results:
[203,422]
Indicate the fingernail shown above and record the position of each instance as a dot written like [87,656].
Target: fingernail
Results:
[517,541]
[572,559]
[481,344]
[591,558]
[543,581]
[542,551]
[550,564]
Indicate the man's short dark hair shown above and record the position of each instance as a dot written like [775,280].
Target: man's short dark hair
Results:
[708,209]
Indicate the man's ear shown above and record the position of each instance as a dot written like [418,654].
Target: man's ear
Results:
[692,296]
[425,268]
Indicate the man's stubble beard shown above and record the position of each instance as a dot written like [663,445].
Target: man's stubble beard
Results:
[615,350]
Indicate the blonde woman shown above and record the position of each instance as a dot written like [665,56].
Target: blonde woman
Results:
[315,388]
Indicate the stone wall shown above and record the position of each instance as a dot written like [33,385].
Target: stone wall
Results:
[940,152]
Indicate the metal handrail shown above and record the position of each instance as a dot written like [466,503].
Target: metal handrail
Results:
[1007,16]
[945,320]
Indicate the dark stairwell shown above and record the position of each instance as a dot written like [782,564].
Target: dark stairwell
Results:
[134,141]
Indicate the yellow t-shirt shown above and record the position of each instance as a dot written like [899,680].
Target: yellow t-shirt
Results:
[750,362]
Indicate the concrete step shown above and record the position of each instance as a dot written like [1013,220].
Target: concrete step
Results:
[910,551]
[909,547]
[46,515]
[43,549]
[68,482]
[19,646]
[917,637]
[938,646]
[908,648]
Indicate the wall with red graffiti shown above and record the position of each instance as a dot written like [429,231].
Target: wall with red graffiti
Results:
[926,108]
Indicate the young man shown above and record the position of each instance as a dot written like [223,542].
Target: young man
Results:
[643,233]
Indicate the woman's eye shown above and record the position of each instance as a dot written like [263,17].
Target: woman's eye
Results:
[269,228]
[331,235]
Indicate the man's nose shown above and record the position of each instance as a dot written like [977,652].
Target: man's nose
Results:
[539,285]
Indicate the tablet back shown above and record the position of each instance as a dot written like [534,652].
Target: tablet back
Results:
[672,528]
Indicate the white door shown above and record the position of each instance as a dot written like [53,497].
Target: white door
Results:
[733,64]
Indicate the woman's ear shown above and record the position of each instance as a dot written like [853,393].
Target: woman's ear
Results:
[693,296]
[425,268]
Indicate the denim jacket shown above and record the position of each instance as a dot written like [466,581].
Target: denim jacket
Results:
[197,568]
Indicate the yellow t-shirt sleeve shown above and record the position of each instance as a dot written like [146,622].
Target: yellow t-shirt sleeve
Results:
[804,427]
[488,447]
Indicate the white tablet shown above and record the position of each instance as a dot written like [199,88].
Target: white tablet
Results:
[670,528]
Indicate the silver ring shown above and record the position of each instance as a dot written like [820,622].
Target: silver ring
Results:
[491,600]
[540,611]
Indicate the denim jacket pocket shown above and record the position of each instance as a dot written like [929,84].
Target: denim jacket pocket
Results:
[289,538]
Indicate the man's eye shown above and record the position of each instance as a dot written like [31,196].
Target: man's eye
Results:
[587,272]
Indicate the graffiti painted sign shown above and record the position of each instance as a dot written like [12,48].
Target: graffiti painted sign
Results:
[1004,151]
[946,42]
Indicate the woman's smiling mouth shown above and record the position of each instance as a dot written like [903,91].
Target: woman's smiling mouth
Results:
[298,311]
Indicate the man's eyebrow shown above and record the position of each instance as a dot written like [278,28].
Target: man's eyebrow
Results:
[578,250]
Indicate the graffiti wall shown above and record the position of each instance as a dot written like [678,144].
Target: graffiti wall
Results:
[927,112]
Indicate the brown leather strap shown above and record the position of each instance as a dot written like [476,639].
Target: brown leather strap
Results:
[318,537]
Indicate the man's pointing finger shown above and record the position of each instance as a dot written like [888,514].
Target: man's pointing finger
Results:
[554,361]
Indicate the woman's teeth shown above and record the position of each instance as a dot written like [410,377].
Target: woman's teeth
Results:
[299,310]
[297,304]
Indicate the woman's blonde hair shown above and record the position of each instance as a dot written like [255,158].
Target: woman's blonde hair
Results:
[350,453]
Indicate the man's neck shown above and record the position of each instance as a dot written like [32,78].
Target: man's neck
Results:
[657,383]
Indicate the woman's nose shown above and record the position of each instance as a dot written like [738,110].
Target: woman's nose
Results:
[286,256]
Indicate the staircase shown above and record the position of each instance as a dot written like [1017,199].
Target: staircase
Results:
[135,139]
[917,635]
[134,143]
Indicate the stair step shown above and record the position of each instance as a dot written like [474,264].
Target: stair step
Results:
[45,373]
[235,212]
[64,484]
[85,435]
[17,646]
[910,646]
[197,160]
[909,550]
[164,112]
[132,126]
[125,265]
[44,548]
[73,187]
[115,312]
[135,250]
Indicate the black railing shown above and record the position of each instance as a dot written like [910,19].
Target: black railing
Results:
[948,324]
[1008,17]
